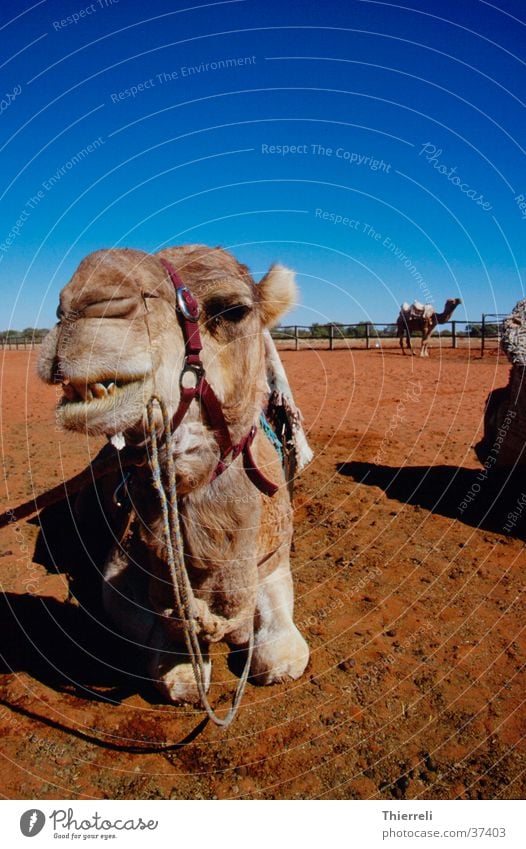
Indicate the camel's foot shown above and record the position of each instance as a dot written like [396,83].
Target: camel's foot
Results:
[279,658]
[173,675]
[177,683]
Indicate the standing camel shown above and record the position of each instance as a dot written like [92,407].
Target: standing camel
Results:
[423,318]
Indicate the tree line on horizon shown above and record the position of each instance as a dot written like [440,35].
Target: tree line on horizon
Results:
[359,330]
[36,333]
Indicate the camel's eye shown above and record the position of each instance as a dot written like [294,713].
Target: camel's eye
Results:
[221,311]
[235,313]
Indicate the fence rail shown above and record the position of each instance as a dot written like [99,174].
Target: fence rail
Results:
[484,334]
[14,343]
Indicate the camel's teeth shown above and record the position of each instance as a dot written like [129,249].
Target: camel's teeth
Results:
[98,390]
[86,392]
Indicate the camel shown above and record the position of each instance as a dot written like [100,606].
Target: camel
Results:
[128,332]
[503,444]
[423,318]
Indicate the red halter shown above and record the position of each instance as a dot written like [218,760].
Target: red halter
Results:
[188,315]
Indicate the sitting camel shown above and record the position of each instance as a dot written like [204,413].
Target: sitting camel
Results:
[504,441]
[130,331]
[423,318]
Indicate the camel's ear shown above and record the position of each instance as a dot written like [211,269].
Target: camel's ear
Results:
[277,293]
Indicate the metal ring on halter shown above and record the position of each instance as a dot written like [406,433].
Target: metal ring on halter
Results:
[187,304]
[198,372]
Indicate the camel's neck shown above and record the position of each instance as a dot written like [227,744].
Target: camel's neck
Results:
[442,317]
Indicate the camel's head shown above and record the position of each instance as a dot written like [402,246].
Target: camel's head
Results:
[452,304]
[118,341]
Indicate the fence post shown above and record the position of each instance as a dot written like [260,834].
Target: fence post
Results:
[296,337]
[367,335]
[482,334]
[453,334]
[331,336]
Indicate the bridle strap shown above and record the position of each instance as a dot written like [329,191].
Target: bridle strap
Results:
[215,417]
[254,474]
[188,314]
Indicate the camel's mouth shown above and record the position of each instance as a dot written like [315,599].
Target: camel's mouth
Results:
[103,405]
[84,391]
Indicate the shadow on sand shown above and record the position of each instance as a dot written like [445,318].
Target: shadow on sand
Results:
[445,490]
[70,645]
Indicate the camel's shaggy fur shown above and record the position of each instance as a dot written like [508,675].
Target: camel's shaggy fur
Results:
[422,318]
[504,440]
[118,325]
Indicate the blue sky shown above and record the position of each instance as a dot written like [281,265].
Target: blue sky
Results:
[145,125]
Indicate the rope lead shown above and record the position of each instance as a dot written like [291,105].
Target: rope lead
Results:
[183,595]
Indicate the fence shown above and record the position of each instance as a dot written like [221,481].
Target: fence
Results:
[484,334]
[481,335]
[492,325]
[13,343]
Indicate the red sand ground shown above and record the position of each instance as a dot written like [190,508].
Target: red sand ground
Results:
[412,611]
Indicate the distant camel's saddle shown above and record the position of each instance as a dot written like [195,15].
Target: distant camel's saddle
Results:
[418,310]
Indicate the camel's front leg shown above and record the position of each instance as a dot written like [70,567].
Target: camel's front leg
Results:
[171,670]
[280,652]
[125,598]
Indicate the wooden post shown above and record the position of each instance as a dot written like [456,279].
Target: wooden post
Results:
[453,334]
[482,334]
[367,335]
[331,336]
